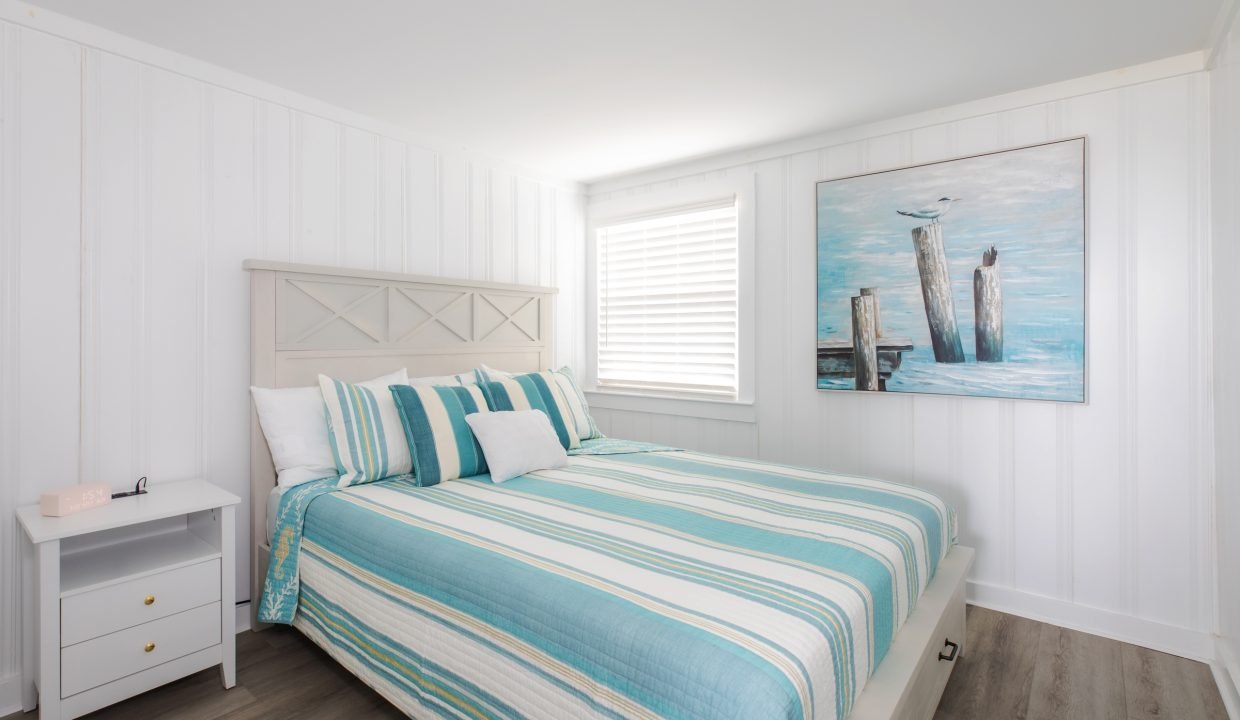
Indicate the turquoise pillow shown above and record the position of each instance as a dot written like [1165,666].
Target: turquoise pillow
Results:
[440,441]
[535,391]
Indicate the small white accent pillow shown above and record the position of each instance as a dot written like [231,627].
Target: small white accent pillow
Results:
[516,442]
[294,421]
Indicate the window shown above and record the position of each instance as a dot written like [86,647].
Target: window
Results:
[668,301]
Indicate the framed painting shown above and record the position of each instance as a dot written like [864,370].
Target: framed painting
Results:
[959,277]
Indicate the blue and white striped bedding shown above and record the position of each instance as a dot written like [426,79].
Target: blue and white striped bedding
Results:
[635,585]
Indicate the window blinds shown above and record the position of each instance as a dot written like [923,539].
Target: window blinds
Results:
[667,302]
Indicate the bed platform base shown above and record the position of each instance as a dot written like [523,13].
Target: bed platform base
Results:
[909,682]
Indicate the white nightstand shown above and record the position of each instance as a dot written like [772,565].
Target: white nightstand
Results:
[127,597]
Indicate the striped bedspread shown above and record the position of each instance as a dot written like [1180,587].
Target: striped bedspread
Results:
[638,585]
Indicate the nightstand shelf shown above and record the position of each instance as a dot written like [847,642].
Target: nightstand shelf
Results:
[127,597]
[90,568]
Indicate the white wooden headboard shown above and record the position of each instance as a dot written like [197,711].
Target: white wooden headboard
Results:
[358,324]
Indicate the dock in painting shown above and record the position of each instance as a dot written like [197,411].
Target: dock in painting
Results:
[836,358]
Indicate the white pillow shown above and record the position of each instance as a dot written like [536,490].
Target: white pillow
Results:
[516,442]
[468,377]
[294,421]
[489,373]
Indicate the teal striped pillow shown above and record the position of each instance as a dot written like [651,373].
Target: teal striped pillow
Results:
[535,391]
[367,438]
[578,415]
[577,405]
[442,445]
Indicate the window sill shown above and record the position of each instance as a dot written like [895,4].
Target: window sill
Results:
[730,410]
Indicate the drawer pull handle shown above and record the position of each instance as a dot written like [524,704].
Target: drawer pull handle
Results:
[149,647]
[952,649]
[148,600]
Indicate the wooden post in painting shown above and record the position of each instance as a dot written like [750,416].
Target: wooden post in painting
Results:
[872,292]
[865,343]
[988,308]
[936,291]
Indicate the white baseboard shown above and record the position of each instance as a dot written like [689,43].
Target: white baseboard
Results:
[10,694]
[1226,667]
[1096,621]
[243,616]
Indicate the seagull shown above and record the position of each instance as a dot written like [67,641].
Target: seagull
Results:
[933,211]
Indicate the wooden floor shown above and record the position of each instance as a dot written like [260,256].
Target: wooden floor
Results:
[1013,668]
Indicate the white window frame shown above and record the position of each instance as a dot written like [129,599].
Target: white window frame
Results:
[615,210]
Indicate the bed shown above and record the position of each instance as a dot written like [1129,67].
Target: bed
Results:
[639,581]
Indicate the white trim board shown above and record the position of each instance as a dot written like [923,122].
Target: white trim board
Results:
[1226,668]
[62,26]
[1154,635]
[10,694]
[1185,64]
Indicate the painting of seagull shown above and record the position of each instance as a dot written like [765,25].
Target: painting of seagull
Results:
[933,211]
[978,327]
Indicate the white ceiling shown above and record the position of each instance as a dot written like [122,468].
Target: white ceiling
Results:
[584,89]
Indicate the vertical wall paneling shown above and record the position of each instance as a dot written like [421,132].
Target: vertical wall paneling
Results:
[129,195]
[273,166]
[424,211]
[232,211]
[390,208]
[453,259]
[769,234]
[526,231]
[88,460]
[10,358]
[42,215]
[177,236]
[1224,260]
[359,190]
[478,223]
[500,258]
[566,264]
[545,219]
[1096,513]
[318,189]
[48,117]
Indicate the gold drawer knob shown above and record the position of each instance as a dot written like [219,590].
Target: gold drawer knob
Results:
[149,647]
[149,600]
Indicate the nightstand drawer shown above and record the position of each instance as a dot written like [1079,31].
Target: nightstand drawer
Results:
[104,659]
[107,609]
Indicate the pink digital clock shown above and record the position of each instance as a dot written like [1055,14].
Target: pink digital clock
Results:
[75,498]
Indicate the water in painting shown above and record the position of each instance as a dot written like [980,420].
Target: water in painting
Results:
[1028,207]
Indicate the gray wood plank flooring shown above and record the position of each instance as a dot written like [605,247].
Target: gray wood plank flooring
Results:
[1026,670]
[1013,668]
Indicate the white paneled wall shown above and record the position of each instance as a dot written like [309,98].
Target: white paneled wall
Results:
[129,195]
[1096,515]
[1225,162]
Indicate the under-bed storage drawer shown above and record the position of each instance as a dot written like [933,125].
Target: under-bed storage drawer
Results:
[104,659]
[927,685]
[107,609]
